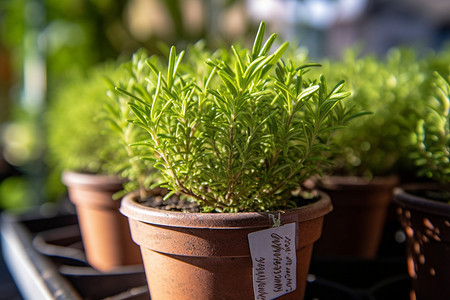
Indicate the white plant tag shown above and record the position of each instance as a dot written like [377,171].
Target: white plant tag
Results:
[274,261]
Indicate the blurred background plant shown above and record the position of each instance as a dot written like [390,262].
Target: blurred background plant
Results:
[77,138]
[388,89]
[431,137]
[41,41]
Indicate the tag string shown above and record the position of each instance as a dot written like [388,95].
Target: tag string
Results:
[276,222]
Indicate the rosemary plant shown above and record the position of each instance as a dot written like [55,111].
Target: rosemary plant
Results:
[76,136]
[388,92]
[432,136]
[241,133]
[117,113]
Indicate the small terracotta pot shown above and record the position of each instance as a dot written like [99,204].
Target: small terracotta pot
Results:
[207,255]
[427,227]
[355,227]
[104,230]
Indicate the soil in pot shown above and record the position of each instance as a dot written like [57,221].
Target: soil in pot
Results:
[426,222]
[207,255]
[104,230]
[355,226]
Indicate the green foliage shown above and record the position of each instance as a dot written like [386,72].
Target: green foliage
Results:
[432,135]
[88,124]
[238,133]
[439,62]
[117,113]
[76,135]
[15,194]
[389,89]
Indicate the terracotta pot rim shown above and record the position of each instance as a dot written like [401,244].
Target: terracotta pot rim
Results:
[407,199]
[91,181]
[132,209]
[355,182]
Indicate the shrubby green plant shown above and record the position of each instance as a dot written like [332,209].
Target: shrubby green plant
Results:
[86,128]
[388,90]
[117,113]
[238,134]
[76,136]
[438,61]
[432,135]
[87,125]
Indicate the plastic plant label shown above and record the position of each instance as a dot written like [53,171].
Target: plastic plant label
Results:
[274,261]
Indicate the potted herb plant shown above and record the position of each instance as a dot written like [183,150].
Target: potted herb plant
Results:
[93,162]
[237,137]
[424,209]
[365,169]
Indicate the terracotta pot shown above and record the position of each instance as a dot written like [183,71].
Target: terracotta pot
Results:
[427,227]
[104,230]
[207,255]
[355,227]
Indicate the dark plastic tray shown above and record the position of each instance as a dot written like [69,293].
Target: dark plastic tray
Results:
[53,249]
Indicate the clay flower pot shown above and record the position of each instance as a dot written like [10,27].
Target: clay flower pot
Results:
[427,227]
[104,230]
[207,255]
[355,227]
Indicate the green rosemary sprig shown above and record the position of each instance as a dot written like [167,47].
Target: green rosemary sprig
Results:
[240,133]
